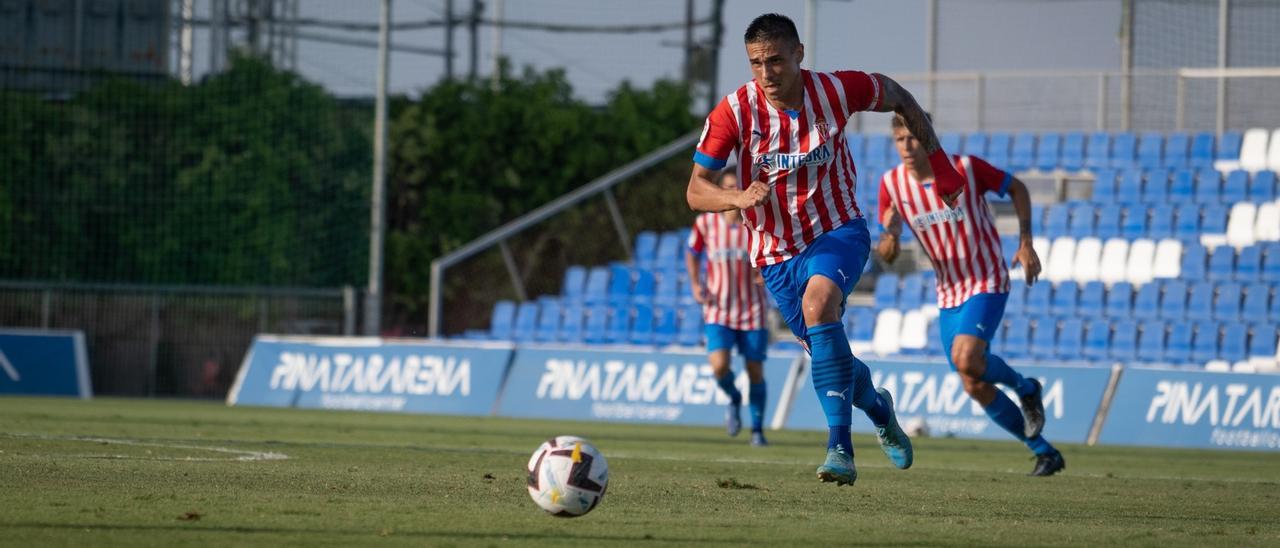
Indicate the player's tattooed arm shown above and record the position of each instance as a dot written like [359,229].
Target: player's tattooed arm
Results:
[890,239]
[704,195]
[947,182]
[1026,254]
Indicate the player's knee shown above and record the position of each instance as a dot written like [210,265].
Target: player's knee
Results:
[981,391]
[719,361]
[821,303]
[755,372]
[969,360]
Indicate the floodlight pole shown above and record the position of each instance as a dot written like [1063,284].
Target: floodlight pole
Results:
[377,207]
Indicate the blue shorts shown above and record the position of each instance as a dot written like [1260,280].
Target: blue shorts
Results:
[839,255]
[978,316]
[751,344]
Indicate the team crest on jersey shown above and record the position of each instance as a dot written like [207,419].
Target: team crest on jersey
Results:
[821,126]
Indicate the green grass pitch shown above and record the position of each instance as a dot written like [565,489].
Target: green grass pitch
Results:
[134,472]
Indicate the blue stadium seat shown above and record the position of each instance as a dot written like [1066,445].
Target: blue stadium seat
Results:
[1226,307]
[1039,298]
[1271,264]
[1187,225]
[620,280]
[1214,218]
[1194,260]
[1178,348]
[671,250]
[645,251]
[933,342]
[1235,342]
[549,318]
[690,333]
[571,325]
[597,289]
[1071,339]
[1124,149]
[1016,304]
[1257,301]
[880,150]
[1146,304]
[1124,340]
[1048,152]
[644,289]
[642,324]
[1104,186]
[1161,226]
[1222,263]
[1023,155]
[574,286]
[1073,151]
[1151,341]
[857,144]
[597,324]
[1056,220]
[1263,187]
[526,321]
[1134,225]
[1229,145]
[1236,187]
[1129,189]
[1097,340]
[1037,219]
[1249,263]
[1275,310]
[952,142]
[860,323]
[1173,304]
[1177,150]
[1065,298]
[1082,218]
[1008,247]
[1151,150]
[1119,300]
[1044,337]
[1263,341]
[998,145]
[1202,150]
[911,295]
[666,292]
[886,292]
[618,329]
[665,325]
[1204,344]
[975,144]
[1091,299]
[1156,191]
[1208,186]
[1182,186]
[1108,224]
[1200,303]
[504,315]
[1017,339]
[1098,153]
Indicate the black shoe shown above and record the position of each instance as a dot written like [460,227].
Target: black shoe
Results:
[1033,411]
[1048,465]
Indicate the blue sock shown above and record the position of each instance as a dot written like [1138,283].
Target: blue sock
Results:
[832,373]
[726,384]
[999,372]
[1007,415]
[755,401]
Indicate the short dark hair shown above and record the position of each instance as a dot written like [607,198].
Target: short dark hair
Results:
[771,26]
[898,121]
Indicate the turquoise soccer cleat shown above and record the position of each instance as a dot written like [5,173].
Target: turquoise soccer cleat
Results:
[893,441]
[838,467]
[733,420]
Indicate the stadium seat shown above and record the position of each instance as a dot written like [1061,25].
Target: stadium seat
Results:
[1042,247]
[1016,303]
[1194,262]
[1097,340]
[1168,263]
[666,290]
[1173,302]
[1129,187]
[618,328]
[1057,221]
[1182,186]
[1146,304]
[1256,303]
[1115,259]
[1208,186]
[1070,339]
[1240,224]
[1065,298]
[1061,261]
[1267,226]
[915,333]
[1213,225]
[975,144]
[1092,295]
[1235,188]
[1023,154]
[1048,152]
[1151,150]
[1200,301]
[880,149]
[1186,227]
[671,250]
[1017,339]
[1230,145]
[572,325]
[549,318]
[1124,147]
[1108,223]
[951,142]
[1119,300]
[500,323]
[1177,348]
[912,293]
[1273,151]
[1203,151]
[1248,263]
[596,325]
[1044,337]
[644,290]
[690,333]
[1262,187]
[1263,351]
[1135,221]
[888,333]
[573,287]
[1156,189]
[642,324]
[934,346]
[1222,263]
[886,291]
[1098,153]
[1142,252]
[597,288]
[1271,264]
[620,281]
[645,252]
[1088,260]
[1253,150]
[1226,306]
[1037,219]
[1104,186]
[1124,340]
[1151,341]
[1177,150]
[1039,298]
[1235,342]
[1082,219]
[666,324]
[526,323]
[857,144]
[1073,151]
[860,324]
[1204,343]
[1161,223]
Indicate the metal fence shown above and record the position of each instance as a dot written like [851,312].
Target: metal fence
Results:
[172,341]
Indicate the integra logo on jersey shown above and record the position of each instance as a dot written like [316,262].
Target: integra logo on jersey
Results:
[931,218]
[1236,404]
[816,157]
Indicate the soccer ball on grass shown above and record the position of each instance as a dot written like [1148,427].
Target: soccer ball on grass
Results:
[567,476]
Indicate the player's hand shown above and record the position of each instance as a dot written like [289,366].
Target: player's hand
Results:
[699,293]
[1026,256]
[888,247]
[752,196]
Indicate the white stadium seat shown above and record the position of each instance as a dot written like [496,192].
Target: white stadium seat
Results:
[1062,256]
[888,332]
[1115,259]
[1088,260]
[1240,225]
[1217,366]
[1266,227]
[1273,152]
[915,331]
[1168,263]
[1253,150]
[1142,256]
[1243,367]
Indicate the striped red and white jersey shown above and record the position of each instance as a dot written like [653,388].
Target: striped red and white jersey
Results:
[801,154]
[734,299]
[962,243]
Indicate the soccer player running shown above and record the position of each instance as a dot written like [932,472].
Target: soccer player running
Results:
[796,193]
[973,283]
[732,299]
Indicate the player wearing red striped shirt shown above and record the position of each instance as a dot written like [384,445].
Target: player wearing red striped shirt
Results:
[732,299]
[973,282]
[796,191]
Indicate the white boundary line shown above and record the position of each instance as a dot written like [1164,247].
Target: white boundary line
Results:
[238,455]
